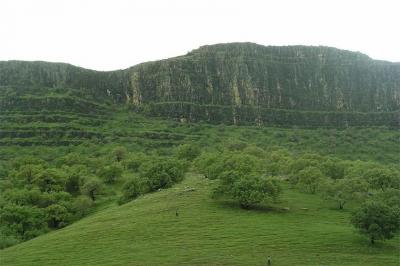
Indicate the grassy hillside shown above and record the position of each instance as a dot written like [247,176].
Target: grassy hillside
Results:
[206,232]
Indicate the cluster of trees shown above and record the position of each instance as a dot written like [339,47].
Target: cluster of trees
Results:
[251,175]
[153,176]
[38,195]
[240,177]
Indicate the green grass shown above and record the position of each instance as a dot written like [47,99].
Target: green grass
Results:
[207,232]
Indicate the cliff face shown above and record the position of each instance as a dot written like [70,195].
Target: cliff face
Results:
[241,82]
[297,77]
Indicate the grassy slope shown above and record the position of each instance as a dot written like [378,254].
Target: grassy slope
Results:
[147,232]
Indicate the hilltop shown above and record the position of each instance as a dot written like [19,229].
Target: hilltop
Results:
[238,83]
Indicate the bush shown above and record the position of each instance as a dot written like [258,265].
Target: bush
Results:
[247,189]
[119,153]
[188,152]
[212,165]
[162,173]
[134,162]
[310,179]
[82,205]
[132,189]
[8,241]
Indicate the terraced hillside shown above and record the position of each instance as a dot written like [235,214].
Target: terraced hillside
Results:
[77,145]
[240,83]
[48,117]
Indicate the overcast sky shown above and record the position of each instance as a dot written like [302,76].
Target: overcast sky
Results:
[114,34]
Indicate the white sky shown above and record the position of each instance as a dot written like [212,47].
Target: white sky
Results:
[114,34]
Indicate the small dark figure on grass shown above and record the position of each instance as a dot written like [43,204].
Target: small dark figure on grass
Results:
[177,212]
[269,261]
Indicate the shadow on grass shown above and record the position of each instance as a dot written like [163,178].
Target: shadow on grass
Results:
[254,208]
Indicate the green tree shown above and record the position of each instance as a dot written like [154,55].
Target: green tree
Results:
[110,173]
[376,220]
[132,189]
[333,168]
[383,178]
[162,173]
[26,173]
[81,205]
[344,190]
[92,188]
[50,179]
[25,221]
[310,178]
[56,215]
[248,189]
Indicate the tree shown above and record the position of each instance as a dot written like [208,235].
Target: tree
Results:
[26,173]
[92,188]
[133,162]
[390,197]
[212,165]
[82,205]
[75,178]
[132,189]
[119,153]
[25,221]
[162,173]
[247,189]
[310,178]
[344,190]
[383,178]
[50,179]
[333,168]
[376,220]
[110,173]
[56,215]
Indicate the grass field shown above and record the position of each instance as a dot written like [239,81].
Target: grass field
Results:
[207,232]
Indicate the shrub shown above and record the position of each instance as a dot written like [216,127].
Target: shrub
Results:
[119,153]
[310,179]
[188,152]
[134,162]
[247,189]
[162,173]
[81,205]
[132,189]
[8,241]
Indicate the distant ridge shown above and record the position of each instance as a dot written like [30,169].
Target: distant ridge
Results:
[238,83]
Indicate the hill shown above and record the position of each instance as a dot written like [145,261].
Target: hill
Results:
[75,142]
[237,83]
[147,232]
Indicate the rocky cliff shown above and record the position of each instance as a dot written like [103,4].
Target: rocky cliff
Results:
[239,83]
